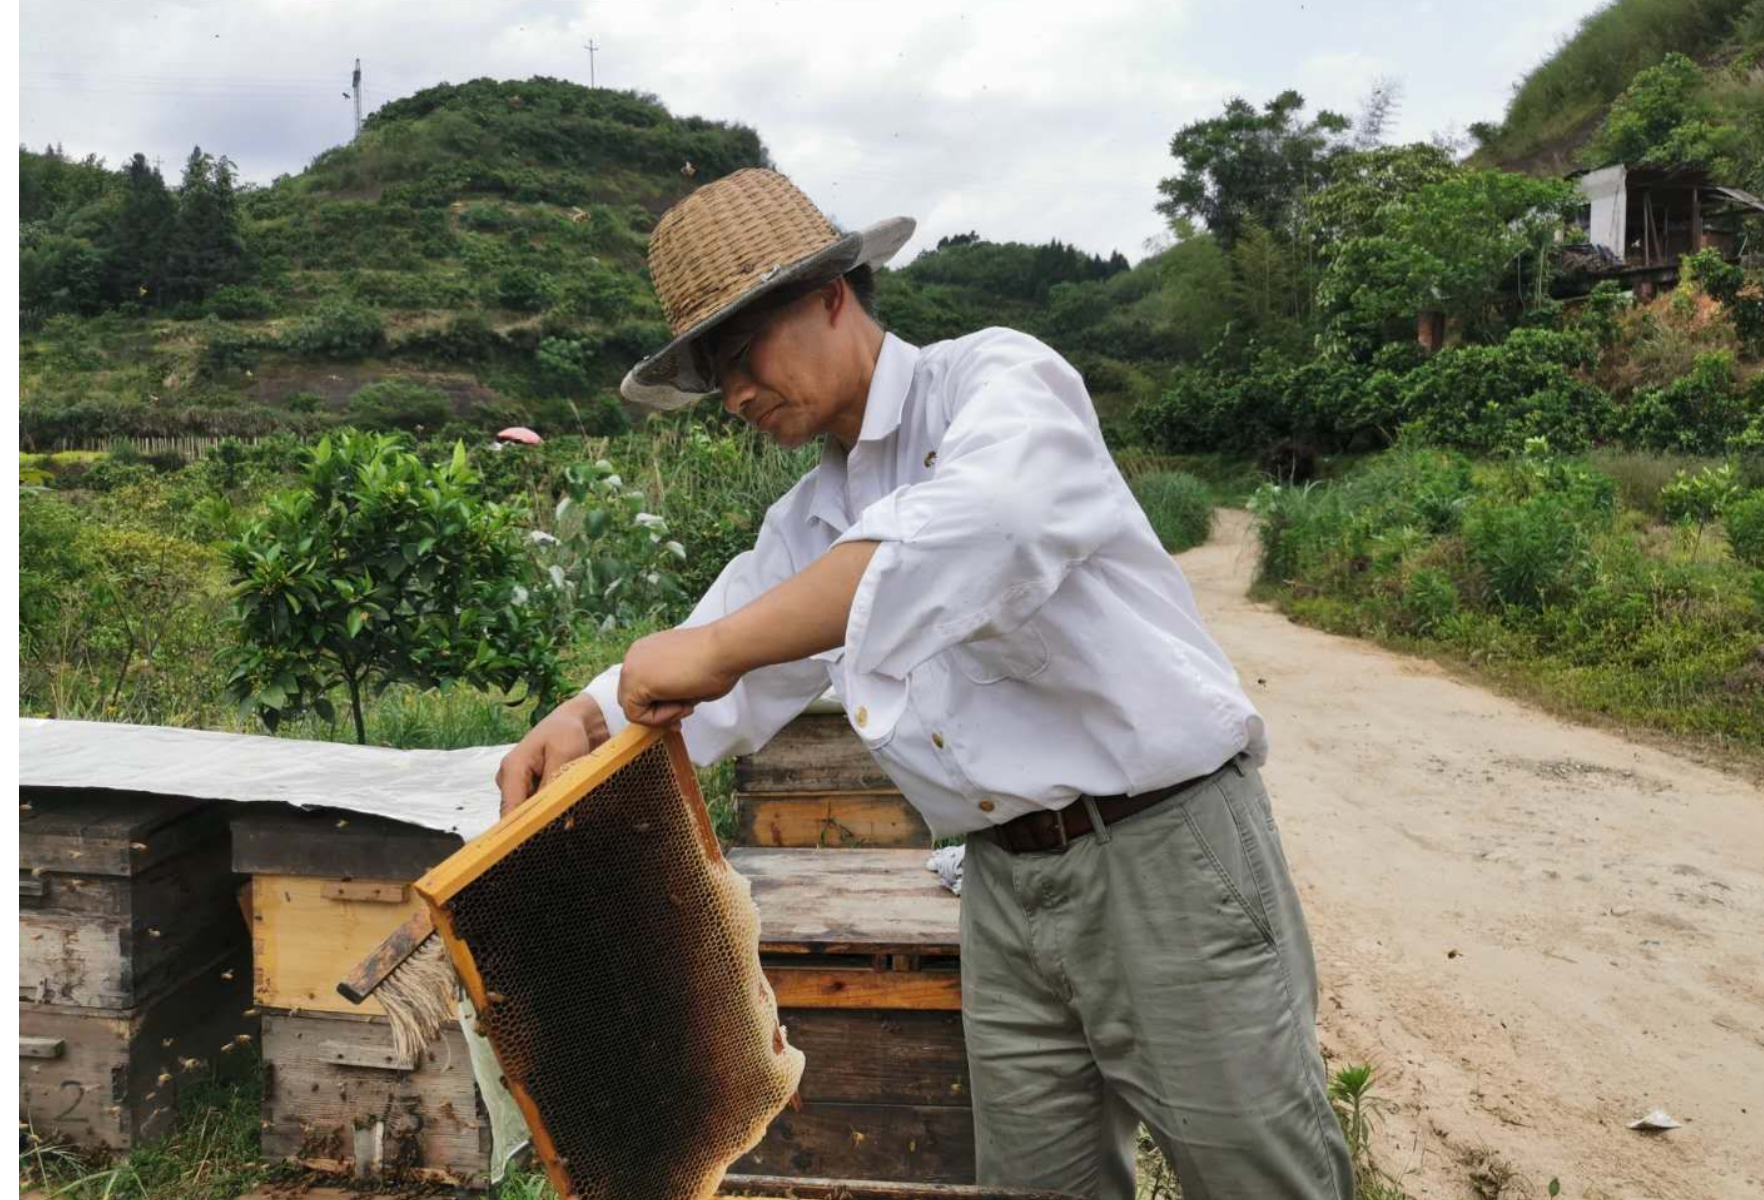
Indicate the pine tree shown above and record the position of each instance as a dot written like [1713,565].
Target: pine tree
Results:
[207,249]
[135,266]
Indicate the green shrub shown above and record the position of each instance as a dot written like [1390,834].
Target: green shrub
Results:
[523,289]
[1744,522]
[1430,599]
[1695,414]
[1489,398]
[1701,498]
[1179,507]
[399,404]
[1534,554]
[238,302]
[336,328]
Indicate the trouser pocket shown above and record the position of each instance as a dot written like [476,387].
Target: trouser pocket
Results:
[1229,833]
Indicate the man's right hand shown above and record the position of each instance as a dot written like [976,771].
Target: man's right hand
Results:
[571,730]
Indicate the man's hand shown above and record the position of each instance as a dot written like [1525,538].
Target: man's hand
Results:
[667,674]
[571,730]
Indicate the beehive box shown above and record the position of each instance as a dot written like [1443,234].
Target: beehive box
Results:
[119,895]
[335,1090]
[325,890]
[861,948]
[134,962]
[815,785]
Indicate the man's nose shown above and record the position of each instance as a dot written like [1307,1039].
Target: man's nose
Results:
[737,391]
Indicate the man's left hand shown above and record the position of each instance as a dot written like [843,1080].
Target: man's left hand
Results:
[667,674]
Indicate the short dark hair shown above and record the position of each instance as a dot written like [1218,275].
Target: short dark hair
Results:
[862,281]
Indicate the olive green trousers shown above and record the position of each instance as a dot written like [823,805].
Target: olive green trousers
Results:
[1156,971]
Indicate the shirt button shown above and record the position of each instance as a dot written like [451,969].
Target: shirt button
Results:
[937,740]
[987,806]
[863,716]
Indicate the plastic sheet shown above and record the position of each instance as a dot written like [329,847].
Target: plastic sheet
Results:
[450,790]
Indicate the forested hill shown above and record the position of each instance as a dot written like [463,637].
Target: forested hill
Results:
[1558,107]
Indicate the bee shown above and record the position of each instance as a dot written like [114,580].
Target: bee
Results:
[243,1039]
[167,1043]
[495,997]
[36,871]
[138,847]
[227,974]
[250,1012]
[227,1048]
[164,1078]
[154,933]
[76,854]
[150,1095]
[342,823]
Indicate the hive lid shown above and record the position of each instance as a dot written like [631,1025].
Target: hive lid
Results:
[101,832]
[613,957]
[849,901]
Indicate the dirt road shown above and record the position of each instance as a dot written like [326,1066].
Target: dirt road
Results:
[1538,931]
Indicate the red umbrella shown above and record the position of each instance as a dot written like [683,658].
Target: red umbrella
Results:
[520,433]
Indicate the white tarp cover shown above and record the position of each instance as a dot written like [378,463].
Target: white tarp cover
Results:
[450,790]
[1605,192]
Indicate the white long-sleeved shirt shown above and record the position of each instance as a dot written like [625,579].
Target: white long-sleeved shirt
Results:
[1019,637]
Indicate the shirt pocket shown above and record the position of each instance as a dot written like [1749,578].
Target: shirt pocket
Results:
[1018,655]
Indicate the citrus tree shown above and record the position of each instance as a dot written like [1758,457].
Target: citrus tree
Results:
[381,569]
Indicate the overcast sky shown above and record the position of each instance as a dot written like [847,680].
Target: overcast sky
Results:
[1023,121]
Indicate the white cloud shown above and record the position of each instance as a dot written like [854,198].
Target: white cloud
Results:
[1020,121]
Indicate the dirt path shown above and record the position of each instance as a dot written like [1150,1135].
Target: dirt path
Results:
[1538,931]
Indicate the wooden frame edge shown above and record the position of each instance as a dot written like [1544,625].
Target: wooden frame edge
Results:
[445,879]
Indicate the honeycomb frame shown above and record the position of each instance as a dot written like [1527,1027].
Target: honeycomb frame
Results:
[535,914]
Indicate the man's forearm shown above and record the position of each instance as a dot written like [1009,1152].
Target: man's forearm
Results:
[802,616]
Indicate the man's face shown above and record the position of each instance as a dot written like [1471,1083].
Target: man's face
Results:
[778,369]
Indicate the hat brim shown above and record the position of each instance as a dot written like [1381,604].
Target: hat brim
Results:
[673,377]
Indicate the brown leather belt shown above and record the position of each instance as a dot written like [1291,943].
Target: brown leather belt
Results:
[1048,829]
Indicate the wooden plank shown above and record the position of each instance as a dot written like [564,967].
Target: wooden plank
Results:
[99,832]
[836,901]
[311,1102]
[304,942]
[880,1056]
[371,891]
[819,821]
[817,752]
[370,1058]
[833,987]
[922,1143]
[744,1187]
[282,841]
[41,1047]
[771,1187]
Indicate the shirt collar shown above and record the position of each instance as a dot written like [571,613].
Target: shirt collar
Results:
[883,407]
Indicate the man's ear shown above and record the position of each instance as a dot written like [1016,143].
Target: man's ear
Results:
[833,298]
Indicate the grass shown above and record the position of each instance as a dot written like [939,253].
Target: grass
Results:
[1179,506]
[211,1152]
[1592,67]
[1533,576]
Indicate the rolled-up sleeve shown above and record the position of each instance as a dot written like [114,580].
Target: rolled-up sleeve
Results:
[1022,493]
[766,699]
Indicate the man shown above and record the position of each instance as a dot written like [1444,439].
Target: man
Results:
[968,571]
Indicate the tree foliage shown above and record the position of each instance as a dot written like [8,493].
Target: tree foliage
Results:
[1251,165]
[380,569]
[1662,119]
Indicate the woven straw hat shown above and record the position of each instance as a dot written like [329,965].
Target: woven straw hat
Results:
[722,248]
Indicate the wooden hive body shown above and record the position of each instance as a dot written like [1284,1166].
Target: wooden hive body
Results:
[613,955]
[134,968]
[816,785]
